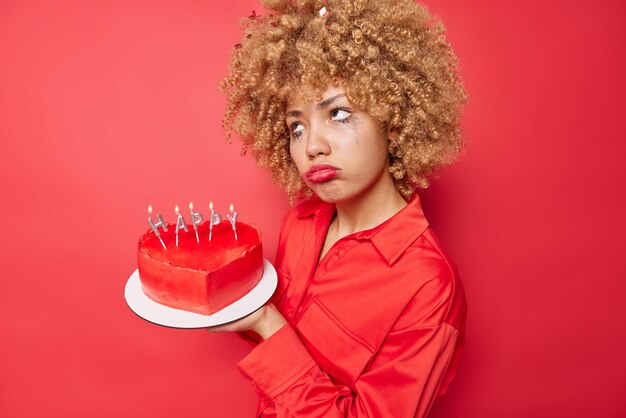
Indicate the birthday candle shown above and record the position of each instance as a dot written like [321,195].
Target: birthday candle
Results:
[232,218]
[196,219]
[155,227]
[215,219]
[180,223]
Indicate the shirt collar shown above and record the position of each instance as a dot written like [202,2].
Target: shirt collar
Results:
[313,207]
[391,238]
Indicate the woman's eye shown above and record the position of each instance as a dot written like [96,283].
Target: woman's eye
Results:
[296,129]
[340,115]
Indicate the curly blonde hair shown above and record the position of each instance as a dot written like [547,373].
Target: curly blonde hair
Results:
[390,56]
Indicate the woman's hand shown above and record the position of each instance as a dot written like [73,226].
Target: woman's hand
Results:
[264,321]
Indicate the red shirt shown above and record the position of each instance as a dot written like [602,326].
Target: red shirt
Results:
[374,330]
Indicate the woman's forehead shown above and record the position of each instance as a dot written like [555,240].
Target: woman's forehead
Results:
[305,95]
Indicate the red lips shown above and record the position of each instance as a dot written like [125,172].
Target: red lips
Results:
[320,173]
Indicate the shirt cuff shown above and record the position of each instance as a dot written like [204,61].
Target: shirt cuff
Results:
[248,337]
[274,364]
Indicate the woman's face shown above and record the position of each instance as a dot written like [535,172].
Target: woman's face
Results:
[340,152]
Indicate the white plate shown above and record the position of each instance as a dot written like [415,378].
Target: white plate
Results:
[159,314]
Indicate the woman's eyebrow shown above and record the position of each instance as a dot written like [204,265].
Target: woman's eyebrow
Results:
[329,101]
[321,105]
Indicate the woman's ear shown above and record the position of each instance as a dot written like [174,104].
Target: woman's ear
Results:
[392,134]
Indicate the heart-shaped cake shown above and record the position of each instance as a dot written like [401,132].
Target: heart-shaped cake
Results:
[202,277]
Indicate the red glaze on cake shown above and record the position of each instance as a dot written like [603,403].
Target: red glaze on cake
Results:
[200,277]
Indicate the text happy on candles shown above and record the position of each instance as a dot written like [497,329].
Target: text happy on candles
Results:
[196,220]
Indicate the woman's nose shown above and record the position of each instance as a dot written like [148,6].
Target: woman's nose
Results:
[318,142]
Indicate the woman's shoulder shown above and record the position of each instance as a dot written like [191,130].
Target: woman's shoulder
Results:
[439,294]
[431,256]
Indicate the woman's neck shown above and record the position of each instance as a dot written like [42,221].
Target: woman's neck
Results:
[369,209]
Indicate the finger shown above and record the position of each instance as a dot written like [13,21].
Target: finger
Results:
[217,328]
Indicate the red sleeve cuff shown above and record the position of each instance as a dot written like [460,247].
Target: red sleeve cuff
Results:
[274,364]
[249,337]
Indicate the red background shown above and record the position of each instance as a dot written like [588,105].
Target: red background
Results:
[107,106]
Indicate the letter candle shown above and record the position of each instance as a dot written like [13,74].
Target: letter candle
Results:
[155,227]
[196,219]
[232,218]
[215,219]
[180,223]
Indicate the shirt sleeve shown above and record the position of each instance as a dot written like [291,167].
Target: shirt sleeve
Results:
[250,337]
[402,381]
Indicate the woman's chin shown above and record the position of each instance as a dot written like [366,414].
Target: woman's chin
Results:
[329,192]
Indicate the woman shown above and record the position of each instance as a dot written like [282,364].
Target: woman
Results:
[352,105]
